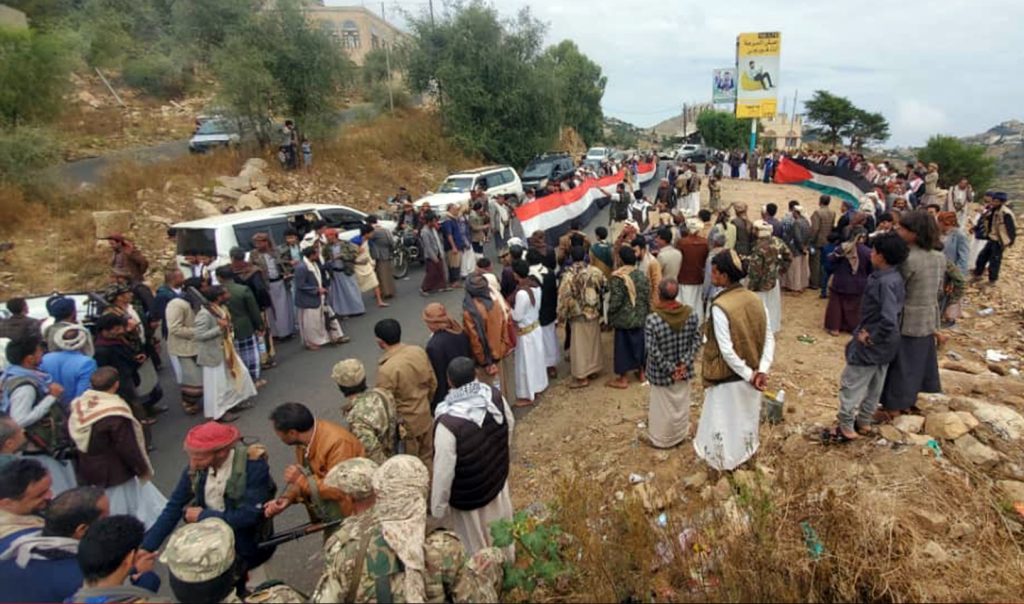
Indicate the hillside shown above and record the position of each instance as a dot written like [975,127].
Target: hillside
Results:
[1005,143]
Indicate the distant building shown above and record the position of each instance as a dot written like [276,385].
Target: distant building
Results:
[782,131]
[12,18]
[357,29]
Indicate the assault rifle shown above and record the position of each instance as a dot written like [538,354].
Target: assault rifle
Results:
[297,533]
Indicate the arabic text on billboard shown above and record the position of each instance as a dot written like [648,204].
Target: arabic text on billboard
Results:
[757,63]
[723,86]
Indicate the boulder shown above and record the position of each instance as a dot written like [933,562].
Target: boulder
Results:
[254,177]
[947,425]
[1003,420]
[969,420]
[234,182]
[255,162]
[890,433]
[918,440]
[988,384]
[109,222]
[206,208]
[932,402]
[251,201]
[226,193]
[976,453]
[964,366]
[911,424]
[267,196]
[1014,489]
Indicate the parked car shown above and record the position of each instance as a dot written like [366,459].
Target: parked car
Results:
[596,155]
[546,169]
[215,236]
[496,180]
[212,133]
[692,152]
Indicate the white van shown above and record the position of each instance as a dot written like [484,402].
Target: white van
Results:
[497,180]
[215,236]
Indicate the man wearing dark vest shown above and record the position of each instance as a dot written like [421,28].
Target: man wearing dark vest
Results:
[472,436]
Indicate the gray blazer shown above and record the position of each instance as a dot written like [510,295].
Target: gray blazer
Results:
[923,272]
[209,339]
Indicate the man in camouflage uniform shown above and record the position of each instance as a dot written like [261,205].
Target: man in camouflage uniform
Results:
[381,553]
[769,257]
[580,307]
[200,559]
[370,413]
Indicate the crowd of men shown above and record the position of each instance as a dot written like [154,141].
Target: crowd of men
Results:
[431,437]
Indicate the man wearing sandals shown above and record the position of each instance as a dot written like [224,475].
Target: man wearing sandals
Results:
[875,342]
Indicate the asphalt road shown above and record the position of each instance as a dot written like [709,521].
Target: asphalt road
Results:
[304,376]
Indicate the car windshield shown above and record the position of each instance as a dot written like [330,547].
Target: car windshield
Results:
[456,185]
[215,127]
[538,170]
[596,153]
[196,241]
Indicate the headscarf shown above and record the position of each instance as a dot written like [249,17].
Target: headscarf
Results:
[435,315]
[401,484]
[75,341]
[623,273]
[947,219]
[478,289]
[471,402]
[211,436]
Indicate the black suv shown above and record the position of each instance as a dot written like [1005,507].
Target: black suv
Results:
[546,169]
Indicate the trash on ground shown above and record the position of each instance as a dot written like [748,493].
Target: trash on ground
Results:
[985,312]
[815,548]
[995,356]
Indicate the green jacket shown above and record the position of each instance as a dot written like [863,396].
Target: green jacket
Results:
[621,313]
[245,312]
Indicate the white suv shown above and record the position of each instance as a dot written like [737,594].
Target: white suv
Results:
[497,180]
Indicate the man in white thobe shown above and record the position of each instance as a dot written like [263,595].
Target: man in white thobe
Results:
[472,436]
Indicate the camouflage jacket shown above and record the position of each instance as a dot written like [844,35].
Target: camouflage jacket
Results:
[372,418]
[443,554]
[271,591]
[622,314]
[769,257]
[581,294]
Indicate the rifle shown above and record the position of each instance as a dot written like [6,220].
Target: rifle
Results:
[194,296]
[297,533]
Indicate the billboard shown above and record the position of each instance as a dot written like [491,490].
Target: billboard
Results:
[757,66]
[723,88]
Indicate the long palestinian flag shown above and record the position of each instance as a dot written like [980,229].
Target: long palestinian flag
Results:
[843,183]
[553,213]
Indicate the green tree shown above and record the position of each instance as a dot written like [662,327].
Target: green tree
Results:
[957,159]
[246,86]
[495,99]
[721,129]
[207,24]
[866,128]
[34,75]
[580,88]
[831,114]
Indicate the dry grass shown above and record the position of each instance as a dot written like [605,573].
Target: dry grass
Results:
[751,547]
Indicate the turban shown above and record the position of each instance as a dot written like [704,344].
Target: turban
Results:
[71,337]
[200,551]
[211,436]
[60,306]
[947,219]
[348,373]
[353,477]
[763,228]
[435,315]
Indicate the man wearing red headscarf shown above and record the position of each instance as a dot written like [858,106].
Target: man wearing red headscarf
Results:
[224,479]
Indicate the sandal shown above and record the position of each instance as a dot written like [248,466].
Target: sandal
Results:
[577,384]
[865,430]
[834,436]
[522,403]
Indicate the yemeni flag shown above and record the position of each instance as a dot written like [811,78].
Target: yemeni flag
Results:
[843,183]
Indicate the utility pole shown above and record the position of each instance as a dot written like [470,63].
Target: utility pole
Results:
[685,122]
[431,4]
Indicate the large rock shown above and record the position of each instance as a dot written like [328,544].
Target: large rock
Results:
[1014,489]
[988,384]
[227,193]
[107,223]
[235,182]
[911,424]
[254,177]
[267,196]
[976,453]
[969,420]
[255,162]
[1003,420]
[206,208]
[964,366]
[890,433]
[947,425]
[250,201]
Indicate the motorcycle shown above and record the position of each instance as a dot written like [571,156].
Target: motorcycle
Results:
[407,250]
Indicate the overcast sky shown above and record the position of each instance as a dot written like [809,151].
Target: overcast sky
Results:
[945,66]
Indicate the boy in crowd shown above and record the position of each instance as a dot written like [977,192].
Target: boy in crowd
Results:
[875,343]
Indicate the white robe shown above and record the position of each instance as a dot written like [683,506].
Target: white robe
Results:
[472,527]
[727,434]
[531,372]
[219,389]
[693,296]
[773,303]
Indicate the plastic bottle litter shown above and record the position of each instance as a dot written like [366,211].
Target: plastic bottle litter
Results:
[986,312]
[815,548]
[635,478]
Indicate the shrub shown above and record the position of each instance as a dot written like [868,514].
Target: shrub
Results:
[157,76]
[399,95]
[25,153]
